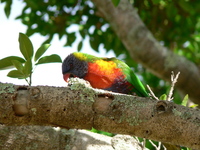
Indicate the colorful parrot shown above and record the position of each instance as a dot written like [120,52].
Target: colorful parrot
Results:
[103,73]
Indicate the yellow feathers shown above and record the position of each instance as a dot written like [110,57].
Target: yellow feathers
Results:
[108,67]
[80,56]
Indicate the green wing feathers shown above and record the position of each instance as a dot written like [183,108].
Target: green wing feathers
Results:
[139,89]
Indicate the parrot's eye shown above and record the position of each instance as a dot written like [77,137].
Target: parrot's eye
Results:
[71,66]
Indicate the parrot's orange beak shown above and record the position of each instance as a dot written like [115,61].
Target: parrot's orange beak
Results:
[66,77]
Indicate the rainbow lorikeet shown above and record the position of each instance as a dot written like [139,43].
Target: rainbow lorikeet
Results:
[103,73]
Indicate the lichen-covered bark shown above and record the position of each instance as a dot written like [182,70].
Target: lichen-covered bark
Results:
[144,48]
[81,107]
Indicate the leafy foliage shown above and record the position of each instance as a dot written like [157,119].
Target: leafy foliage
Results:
[115,2]
[24,66]
[176,24]
[26,46]
[6,63]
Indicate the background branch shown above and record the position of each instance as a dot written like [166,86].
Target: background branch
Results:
[145,49]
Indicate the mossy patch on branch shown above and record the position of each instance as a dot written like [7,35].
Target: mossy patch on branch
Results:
[6,88]
[82,85]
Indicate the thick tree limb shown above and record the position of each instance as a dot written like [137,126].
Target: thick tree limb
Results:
[144,48]
[80,106]
[48,138]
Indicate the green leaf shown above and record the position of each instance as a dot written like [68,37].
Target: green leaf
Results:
[49,59]
[80,45]
[6,63]
[71,37]
[16,74]
[18,65]
[32,4]
[163,97]
[193,106]
[94,44]
[186,6]
[185,100]
[27,68]
[115,2]
[25,46]
[7,8]
[41,51]
[155,1]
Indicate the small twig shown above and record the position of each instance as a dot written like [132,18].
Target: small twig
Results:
[154,145]
[159,145]
[169,98]
[164,147]
[151,92]
[137,139]
[140,143]
[173,82]
[144,144]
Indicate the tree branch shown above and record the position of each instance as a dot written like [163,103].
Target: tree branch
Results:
[80,106]
[47,138]
[144,48]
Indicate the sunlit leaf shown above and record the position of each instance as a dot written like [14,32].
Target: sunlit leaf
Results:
[163,97]
[185,100]
[41,51]
[15,74]
[6,63]
[193,106]
[49,59]
[25,46]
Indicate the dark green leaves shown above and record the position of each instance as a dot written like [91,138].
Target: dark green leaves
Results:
[46,59]
[49,59]
[115,2]
[17,65]
[41,51]
[27,70]
[23,71]
[80,45]
[24,67]
[15,74]
[25,46]
[71,37]
[7,8]
[6,63]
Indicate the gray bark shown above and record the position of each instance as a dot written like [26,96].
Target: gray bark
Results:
[48,138]
[81,107]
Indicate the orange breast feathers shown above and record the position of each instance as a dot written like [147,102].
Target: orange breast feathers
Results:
[102,74]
